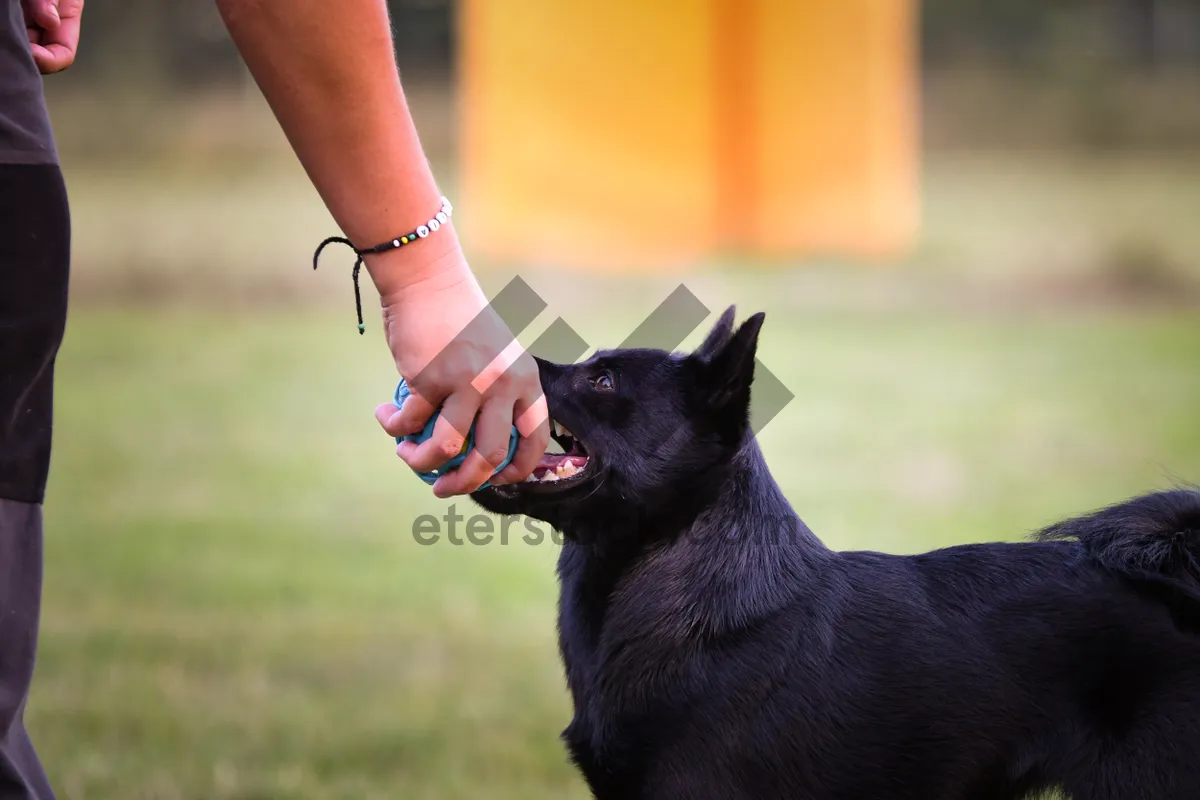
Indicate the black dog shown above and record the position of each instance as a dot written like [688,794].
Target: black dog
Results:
[716,649]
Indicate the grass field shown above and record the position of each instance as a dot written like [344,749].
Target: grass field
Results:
[236,607]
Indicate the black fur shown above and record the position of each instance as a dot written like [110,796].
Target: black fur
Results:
[716,650]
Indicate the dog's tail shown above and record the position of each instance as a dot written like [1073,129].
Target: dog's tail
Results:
[1154,538]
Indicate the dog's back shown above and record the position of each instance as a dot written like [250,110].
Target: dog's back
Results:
[982,671]
[1153,541]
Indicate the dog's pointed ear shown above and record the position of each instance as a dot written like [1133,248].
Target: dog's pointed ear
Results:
[726,367]
[718,337]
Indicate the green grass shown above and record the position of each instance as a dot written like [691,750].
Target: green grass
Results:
[246,234]
[235,606]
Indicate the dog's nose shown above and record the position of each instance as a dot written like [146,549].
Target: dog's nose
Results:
[548,371]
[553,378]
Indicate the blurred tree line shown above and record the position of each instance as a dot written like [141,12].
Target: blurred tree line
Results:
[149,44]
[1037,34]
[182,43]
[997,73]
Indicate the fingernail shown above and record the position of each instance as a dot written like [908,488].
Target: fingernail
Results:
[393,419]
[405,449]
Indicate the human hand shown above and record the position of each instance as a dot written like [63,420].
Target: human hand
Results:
[53,29]
[455,352]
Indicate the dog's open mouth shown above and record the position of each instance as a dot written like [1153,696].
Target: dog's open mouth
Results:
[563,468]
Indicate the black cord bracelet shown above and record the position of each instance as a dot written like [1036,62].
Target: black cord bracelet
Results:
[438,220]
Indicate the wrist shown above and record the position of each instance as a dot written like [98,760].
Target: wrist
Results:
[431,264]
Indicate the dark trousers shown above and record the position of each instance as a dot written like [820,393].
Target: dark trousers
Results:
[21,774]
[34,257]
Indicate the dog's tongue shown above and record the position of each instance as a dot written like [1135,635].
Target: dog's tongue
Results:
[554,466]
[551,461]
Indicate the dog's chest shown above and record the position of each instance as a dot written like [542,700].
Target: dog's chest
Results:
[602,737]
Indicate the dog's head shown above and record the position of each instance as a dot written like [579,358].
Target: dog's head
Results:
[642,432]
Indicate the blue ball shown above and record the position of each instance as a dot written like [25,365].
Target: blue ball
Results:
[430,477]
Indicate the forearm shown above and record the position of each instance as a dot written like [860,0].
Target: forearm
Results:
[328,71]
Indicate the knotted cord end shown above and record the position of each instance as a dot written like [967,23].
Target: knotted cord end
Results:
[435,222]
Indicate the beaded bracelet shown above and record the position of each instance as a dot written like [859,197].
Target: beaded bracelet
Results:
[438,220]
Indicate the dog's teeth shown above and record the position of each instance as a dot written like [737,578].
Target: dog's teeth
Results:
[562,429]
[530,478]
[549,477]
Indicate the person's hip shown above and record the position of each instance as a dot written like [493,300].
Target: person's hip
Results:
[35,247]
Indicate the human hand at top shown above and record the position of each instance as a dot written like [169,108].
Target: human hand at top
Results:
[53,28]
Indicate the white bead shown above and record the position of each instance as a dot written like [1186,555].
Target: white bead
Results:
[434,224]
[441,217]
[395,242]
[449,209]
[422,231]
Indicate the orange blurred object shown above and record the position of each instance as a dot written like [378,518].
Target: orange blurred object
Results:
[623,134]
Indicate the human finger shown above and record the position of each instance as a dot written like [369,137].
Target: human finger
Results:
[534,424]
[410,418]
[493,435]
[449,433]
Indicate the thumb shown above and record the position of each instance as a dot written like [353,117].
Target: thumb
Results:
[43,13]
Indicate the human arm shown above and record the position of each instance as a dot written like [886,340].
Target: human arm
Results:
[328,72]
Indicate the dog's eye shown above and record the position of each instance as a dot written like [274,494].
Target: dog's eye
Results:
[602,382]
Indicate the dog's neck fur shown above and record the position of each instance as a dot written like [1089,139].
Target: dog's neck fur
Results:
[740,554]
